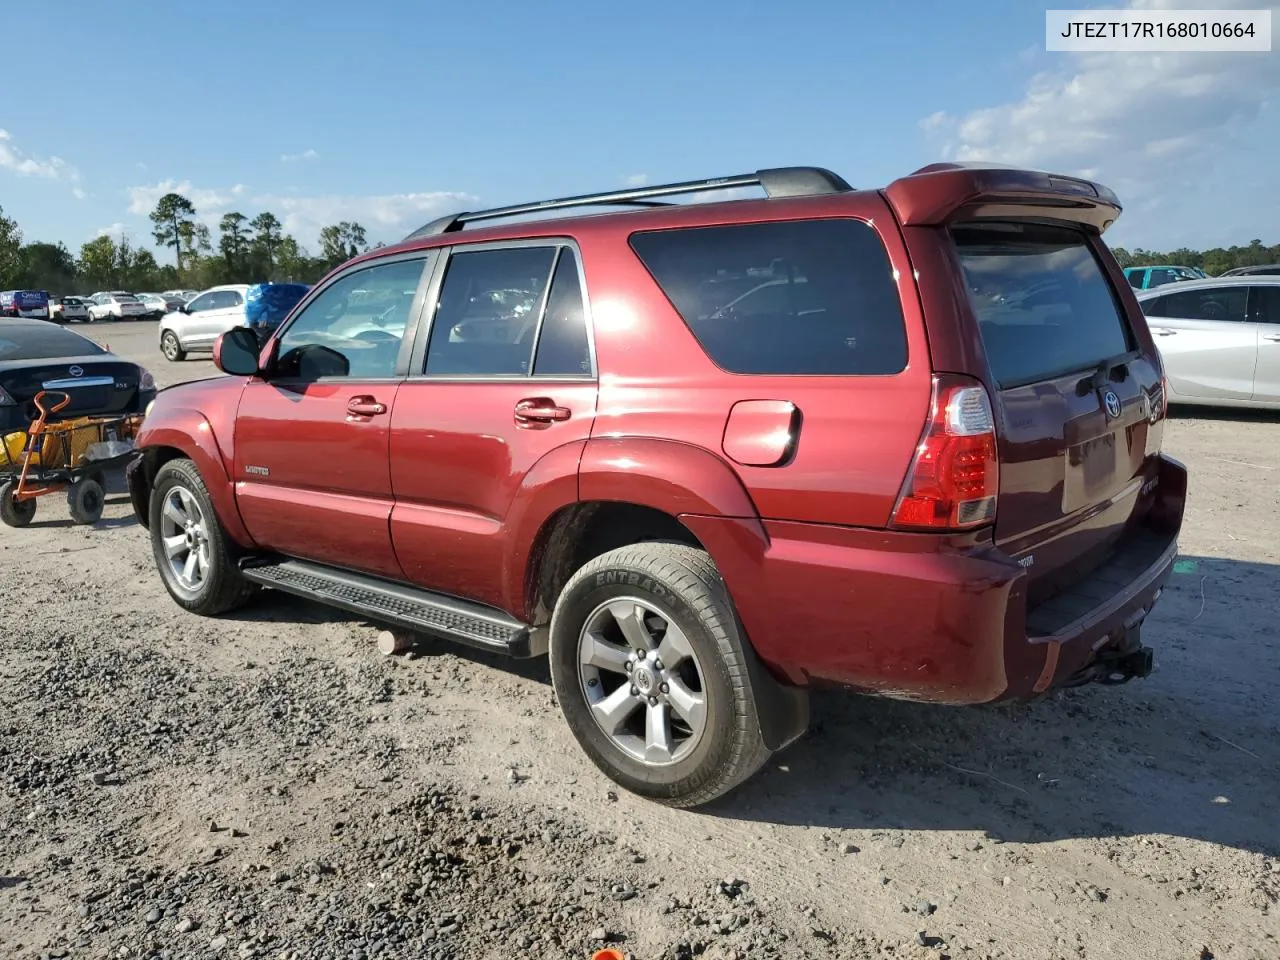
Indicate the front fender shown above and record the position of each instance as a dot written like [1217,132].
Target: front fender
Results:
[667,475]
[190,432]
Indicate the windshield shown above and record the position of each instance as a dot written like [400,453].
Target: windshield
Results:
[1043,304]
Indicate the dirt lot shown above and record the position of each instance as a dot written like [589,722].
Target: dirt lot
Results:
[270,786]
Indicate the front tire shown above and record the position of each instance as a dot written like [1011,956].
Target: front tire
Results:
[195,557]
[171,348]
[651,673]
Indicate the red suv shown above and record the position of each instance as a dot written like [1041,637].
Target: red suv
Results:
[706,454]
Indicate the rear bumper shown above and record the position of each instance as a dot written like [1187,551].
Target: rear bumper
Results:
[925,618]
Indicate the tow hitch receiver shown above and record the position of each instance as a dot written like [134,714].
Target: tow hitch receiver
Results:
[1122,661]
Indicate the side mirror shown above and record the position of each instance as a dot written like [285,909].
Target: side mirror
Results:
[236,352]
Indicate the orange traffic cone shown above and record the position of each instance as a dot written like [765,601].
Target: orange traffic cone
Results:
[608,953]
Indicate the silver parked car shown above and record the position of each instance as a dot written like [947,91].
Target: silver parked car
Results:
[1220,339]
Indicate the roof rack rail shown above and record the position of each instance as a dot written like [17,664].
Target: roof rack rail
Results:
[777,182]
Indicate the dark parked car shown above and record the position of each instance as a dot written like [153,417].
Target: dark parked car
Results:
[705,455]
[1270,269]
[36,356]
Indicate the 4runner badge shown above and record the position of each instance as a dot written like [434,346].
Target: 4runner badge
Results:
[257,471]
[1111,403]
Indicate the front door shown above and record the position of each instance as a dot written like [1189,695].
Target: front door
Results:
[1207,342]
[313,478]
[502,399]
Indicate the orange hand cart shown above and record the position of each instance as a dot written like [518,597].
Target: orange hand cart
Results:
[52,456]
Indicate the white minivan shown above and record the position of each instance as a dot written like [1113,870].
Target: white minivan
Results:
[195,326]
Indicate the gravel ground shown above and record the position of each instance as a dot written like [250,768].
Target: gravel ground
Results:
[268,785]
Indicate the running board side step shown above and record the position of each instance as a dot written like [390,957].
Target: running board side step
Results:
[396,604]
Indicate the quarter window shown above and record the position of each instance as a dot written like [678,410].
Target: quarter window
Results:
[486,319]
[801,297]
[354,327]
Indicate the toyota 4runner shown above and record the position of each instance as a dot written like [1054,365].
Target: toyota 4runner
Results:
[706,455]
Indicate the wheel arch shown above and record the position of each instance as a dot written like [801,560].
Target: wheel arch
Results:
[181,432]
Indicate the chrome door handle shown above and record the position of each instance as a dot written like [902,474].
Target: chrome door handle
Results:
[1273,337]
[365,407]
[1163,331]
[540,410]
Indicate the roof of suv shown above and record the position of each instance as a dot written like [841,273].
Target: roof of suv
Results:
[927,196]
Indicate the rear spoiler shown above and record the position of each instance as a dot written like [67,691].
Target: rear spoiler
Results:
[944,192]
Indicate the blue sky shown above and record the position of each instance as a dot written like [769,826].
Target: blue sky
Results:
[392,111]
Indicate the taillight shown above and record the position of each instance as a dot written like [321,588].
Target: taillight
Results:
[954,479]
[145,380]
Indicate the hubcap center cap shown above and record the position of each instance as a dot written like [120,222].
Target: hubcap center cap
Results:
[644,679]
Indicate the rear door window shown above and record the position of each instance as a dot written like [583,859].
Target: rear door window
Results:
[798,297]
[1224,304]
[1043,304]
[1266,304]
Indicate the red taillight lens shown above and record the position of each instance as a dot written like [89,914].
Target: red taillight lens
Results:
[955,476]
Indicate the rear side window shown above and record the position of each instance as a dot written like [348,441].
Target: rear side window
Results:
[800,297]
[1225,304]
[1043,304]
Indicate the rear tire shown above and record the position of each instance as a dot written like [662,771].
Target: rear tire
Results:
[85,500]
[15,513]
[171,348]
[692,733]
[195,557]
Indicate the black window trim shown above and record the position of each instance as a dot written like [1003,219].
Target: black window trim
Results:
[866,221]
[430,260]
[418,359]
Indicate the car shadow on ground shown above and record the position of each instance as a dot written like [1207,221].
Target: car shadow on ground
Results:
[1191,751]
[1228,414]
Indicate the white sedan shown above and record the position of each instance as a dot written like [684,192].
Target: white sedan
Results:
[196,325]
[1220,340]
[117,305]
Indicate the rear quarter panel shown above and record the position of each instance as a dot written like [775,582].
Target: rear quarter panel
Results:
[856,434]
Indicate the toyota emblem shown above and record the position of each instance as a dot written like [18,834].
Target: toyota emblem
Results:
[76,371]
[1111,403]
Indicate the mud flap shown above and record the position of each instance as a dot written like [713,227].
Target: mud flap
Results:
[783,709]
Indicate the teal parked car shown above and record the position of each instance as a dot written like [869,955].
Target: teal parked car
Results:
[1144,278]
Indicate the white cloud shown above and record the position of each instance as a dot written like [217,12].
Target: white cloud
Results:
[307,154]
[142,200]
[78,193]
[1148,125]
[26,165]
[637,180]
[386,217]
[116,230]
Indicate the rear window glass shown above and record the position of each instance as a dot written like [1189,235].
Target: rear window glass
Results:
[799,297]
[43,343]
[1043,304]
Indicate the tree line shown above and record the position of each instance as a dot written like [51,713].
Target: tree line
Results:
[245,251]
[1213,262]
[256,250]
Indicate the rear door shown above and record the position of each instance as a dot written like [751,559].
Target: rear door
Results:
[504,383]
[1264,308]
[1207,340]
[1076,394]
